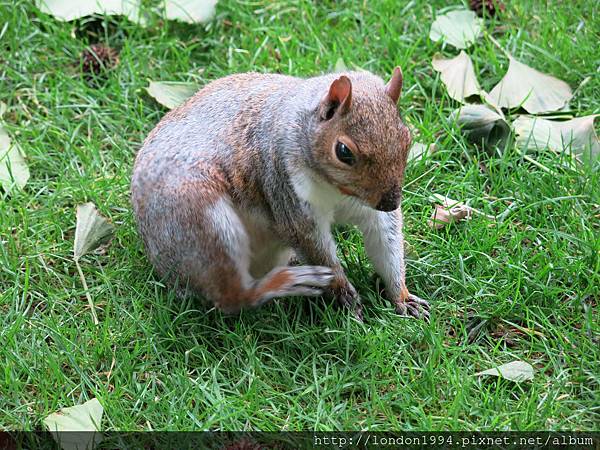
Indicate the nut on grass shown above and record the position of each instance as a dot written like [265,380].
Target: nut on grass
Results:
[97,58]
[448,211]
[487,7]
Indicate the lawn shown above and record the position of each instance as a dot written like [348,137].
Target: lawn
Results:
[523,287]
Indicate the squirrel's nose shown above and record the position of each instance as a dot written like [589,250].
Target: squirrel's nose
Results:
[390,200]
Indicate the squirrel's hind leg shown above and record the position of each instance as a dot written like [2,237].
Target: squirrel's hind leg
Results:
[224,273]
[291,281]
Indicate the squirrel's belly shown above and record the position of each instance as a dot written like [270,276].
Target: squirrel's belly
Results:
[267,250]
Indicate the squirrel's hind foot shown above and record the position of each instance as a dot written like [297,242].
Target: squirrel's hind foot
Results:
[293,281]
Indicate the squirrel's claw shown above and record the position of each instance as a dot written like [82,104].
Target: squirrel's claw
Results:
[415,307]
[358,312]
[347,297]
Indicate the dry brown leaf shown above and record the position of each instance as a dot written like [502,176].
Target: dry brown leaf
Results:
[448,211]
[458,75]
[535,91]
[458,28]
[576,135]
[482,126]
[443,216]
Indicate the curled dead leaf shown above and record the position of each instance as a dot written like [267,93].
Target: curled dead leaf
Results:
[448,211]
[576,136]
[482,126]
[443,216]
[91,232]
[340,65]
[418,150]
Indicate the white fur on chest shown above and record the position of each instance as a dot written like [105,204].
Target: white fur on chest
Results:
[320,195]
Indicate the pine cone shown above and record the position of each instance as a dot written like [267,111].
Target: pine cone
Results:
[97,58]
[486,7]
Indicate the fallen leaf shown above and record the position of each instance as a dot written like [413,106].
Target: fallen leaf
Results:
[14,172]
[576,136]
[516,371]
[340,66]
[417,150]
[482,126]
[190,11]
[448,211]
[68,10]
[170,93]
[458,75]
[535,91]
[443,216]
[91,232]
[83,418]
[458,28]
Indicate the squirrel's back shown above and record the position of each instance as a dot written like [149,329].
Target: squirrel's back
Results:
[201,127]
[208,123]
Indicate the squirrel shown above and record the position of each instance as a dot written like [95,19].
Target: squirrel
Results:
[256,167]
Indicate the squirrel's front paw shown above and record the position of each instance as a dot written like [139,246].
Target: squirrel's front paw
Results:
[345,296]
[413,306]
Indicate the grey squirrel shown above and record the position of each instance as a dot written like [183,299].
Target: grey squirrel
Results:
[255,167]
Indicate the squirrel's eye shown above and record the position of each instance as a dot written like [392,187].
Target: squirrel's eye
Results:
[344,154]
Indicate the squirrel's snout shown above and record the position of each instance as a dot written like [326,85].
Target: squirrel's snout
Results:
[390,200]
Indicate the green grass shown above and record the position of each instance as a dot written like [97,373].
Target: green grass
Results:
[528,285]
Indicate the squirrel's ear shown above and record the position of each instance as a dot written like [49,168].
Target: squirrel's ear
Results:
[394,86]
[338,99]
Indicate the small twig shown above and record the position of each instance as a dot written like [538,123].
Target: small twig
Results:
[497,44]
[87,293]
[112,366]
[507,211]
[539,164]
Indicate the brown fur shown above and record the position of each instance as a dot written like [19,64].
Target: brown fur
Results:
[376,171]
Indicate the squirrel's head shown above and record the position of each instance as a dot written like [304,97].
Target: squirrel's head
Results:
[361,144]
